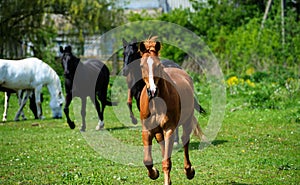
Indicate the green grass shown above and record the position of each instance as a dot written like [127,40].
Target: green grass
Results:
[253,147]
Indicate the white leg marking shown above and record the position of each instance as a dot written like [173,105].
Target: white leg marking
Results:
[100,125]
[5,107]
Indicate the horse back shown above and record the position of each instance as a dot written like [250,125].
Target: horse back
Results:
[21,74]
[98,72]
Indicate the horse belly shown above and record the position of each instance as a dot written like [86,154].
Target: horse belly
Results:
[17,82]
[186,94]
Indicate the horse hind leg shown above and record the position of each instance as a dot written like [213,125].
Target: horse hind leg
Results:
[22,104]
[6,105]
[176,138]
[129,104]
[188,169]
[102,98]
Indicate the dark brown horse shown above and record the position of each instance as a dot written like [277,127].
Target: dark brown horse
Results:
[166,102]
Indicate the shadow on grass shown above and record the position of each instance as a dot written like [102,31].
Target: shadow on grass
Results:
[29,120]
[124,128]
[218,142]
[237,183]
[201,145]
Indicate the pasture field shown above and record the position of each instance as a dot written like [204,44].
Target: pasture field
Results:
[253,146]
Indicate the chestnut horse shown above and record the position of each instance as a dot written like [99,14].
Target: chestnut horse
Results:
[166,102]
[135,83]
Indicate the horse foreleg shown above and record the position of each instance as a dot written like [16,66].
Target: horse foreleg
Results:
[20,95]
[167,163]
[147,137]
[176,138]
[129,104]
[66,110]
[6,105]
[37,93]
[83,113]
[188,169]
[22,104]
[159,136]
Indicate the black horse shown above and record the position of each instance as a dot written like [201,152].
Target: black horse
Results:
[134,79]
[83,79]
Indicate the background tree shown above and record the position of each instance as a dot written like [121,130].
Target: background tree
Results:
[36,23]
[232,30]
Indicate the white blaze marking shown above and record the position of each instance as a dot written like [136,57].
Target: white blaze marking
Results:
[151,78]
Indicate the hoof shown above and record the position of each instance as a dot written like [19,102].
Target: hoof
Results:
[100,125]
[57,117]
[154,174]
[190,173]
[71,124]
[134,120]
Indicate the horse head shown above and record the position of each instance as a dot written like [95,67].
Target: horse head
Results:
[57,99]
[130,54]
[69,62]
[56,104]
[151,67]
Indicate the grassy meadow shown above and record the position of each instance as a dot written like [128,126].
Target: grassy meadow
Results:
[255,145]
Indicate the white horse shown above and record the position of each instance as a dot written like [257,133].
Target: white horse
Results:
[32,74]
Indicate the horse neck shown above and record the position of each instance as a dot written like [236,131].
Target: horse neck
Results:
[135,72]
[54,85]
[77,64]
[164,82]
[137,56]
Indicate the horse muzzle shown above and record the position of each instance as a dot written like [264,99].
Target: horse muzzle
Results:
[125,71]
[152,94]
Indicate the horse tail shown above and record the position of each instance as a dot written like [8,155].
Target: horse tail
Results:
[198,131]
[198,107]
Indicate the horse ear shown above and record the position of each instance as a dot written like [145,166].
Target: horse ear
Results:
[68,49]
[142,47]
[61,49]
[125,43]
[134,40]
[157,46]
